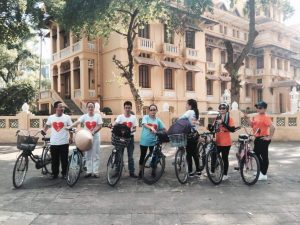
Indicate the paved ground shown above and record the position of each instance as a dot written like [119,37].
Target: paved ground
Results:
[92,201]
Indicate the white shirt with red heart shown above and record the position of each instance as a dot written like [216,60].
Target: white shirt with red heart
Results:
[90,122]
[130,121]
[59,135]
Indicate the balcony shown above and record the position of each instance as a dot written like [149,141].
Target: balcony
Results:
[55,57]
[77,93]
[259,72]
[222,68]
[77,47]
[65,52]
[145,44]
[249,72]
[92,93]
[210,66]
[170,49]
[191,54]
[45,94]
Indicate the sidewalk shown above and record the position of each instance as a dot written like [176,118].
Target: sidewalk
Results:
[92,201]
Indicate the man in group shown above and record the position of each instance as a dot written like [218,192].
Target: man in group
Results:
[264,129]
[130,121]
[59,139]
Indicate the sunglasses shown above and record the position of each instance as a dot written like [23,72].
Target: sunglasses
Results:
[151,110]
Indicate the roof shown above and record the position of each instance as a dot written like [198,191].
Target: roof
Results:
[192,68]
[172,65]
[146,61]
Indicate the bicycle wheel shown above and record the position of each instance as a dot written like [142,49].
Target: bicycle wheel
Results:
[214,167]
[202,156]
[181,167]
[114,167]
[74,168]
[153,168]
[250,168]
[46,159]
[20,170]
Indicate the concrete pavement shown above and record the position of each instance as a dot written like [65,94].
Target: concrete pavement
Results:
[92,201]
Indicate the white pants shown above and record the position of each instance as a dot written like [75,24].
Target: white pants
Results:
[92,157]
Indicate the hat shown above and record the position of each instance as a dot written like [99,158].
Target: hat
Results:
[261,104]
[84,140]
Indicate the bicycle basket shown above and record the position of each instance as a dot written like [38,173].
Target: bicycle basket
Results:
[26,143]
[178,140]
[121,130]
[193,136]
[119,142]
[162,136]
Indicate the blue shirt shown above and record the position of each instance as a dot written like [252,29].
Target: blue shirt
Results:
[147,137]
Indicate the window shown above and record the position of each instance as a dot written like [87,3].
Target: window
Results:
[190,81]
[221,29]
[223,57]
[247,90]
[259,81]
[260,62]
[190,39]
[247,61]
[209,55]
[272,62]
[145,32]
[279,64]
[144,76]
[225,30]
[66,40]
[168,35]
[223,87]
[259,95]
[285,65]
[168,79]
[237,34]
[209,87]
[233,32]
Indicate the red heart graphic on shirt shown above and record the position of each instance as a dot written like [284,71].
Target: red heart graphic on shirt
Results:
[57,126]
[152,125]
[90,125]
[128,124]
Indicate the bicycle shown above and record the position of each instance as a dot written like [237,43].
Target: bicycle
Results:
[181,167]
[75,163]
[120,139]
[155,162]
[247,160]
[27,143]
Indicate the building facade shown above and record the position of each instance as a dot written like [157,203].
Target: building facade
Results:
[171,68]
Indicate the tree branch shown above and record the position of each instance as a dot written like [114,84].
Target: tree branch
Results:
[118,32]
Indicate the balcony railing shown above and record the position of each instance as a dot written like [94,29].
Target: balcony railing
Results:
[191,53]
[91,46]
[260,72]
[55,57]
[249,72]
[211,66]
[45,94]
[145,44]
[77,46]
[65,52]
[170,49]
[92,93]
[77,93]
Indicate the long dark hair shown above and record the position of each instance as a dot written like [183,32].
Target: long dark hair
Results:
[194,106]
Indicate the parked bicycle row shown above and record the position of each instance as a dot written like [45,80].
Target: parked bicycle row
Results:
[197,153]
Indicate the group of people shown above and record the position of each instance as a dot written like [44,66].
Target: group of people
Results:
[223,125]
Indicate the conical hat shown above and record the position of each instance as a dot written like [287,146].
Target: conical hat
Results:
[84,140]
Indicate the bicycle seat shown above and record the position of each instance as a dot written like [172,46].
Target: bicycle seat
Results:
[46,139]
[243,137]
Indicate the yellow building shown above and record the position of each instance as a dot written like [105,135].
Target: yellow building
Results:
[171,68]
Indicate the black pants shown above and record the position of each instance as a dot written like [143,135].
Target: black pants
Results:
[224,150]
[261,149]
[192,152]
[59,153]
[144,152]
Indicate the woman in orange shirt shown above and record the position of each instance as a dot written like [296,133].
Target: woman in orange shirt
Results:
[224,124]
[263,137]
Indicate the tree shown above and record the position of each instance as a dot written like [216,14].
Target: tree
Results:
[14,96]
[233,66]
[125,17]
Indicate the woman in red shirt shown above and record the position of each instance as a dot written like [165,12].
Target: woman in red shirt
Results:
[224,124]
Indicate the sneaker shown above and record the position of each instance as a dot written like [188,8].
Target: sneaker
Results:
[133,175]
[225,177]
[236,168]
[53,177]
[262,177]
[88,175]
[96,175]
[63,176]
[140,175]
[191,174]
[198,173]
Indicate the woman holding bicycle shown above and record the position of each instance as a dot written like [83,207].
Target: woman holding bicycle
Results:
[224,124]
[150,125]
[192,114]
[93,123]
[263,123]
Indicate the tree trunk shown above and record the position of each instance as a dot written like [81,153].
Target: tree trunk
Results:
[233,67]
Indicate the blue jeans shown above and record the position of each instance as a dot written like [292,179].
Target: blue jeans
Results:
[130,148]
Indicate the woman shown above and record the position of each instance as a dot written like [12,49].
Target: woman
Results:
[92,122]
[224,124]
[150,125]
[192,114]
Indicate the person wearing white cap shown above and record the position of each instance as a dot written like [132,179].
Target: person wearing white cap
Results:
[93,123]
